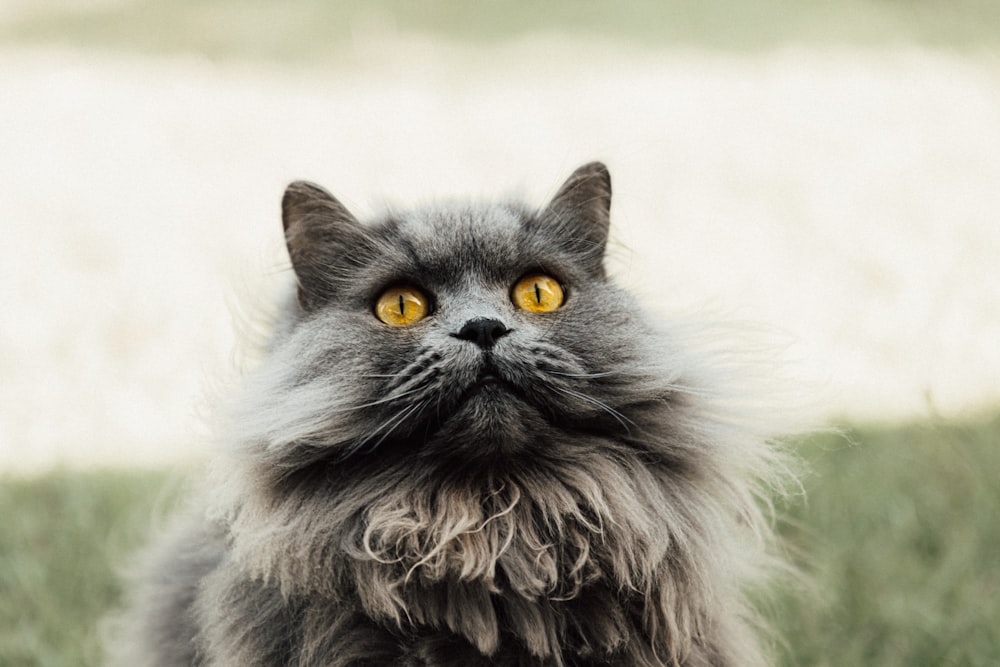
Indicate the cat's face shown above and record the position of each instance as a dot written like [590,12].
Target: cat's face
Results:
[465,332]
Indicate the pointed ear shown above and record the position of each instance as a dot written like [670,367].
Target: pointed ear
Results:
[580,213]
[319,232]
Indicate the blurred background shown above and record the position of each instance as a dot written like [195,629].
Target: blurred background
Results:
[828,169]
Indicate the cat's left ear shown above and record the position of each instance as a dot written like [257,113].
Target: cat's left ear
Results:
[580,213]
[320,233]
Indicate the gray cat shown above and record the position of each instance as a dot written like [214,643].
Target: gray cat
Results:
[466,447]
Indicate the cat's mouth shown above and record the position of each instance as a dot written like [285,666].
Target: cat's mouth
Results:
[488,380]
[488,417]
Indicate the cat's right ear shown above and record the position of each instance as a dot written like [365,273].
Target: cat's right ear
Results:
[319,232]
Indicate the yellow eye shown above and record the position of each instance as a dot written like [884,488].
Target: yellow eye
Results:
[400,306]
[537,293]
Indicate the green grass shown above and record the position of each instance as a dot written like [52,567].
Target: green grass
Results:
[324,31]
[63,538]
[900,537]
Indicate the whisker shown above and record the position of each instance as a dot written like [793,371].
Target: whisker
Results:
[622,419]
[603,374]
[416,408]
[386,399]
[686,389]
[672,386]
[392,425]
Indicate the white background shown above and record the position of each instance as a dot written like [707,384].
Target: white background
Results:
[849,198]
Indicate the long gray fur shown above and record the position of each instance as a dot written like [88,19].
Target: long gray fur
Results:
[374,505]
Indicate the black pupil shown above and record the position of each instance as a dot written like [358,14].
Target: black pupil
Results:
[538,294]
[402,306]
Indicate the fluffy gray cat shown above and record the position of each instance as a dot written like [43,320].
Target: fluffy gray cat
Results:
[466,446]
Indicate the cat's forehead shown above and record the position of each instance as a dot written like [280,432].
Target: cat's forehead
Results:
[455,225]
[460,237]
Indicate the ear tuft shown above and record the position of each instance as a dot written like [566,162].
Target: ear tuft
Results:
[581,211]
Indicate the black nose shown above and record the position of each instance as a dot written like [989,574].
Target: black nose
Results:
[483,332]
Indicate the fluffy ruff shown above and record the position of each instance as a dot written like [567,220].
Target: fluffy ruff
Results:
[633,550]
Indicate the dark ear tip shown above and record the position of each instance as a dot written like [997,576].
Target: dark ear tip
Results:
[301,196]
[302,190]
[595,170]
[595,167]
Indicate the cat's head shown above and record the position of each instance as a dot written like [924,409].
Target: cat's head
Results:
[472,333]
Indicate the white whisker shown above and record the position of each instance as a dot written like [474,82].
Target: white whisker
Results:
[388,426]
[622,419]
[584,375]
[381,401]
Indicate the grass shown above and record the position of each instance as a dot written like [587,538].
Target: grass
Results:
[900,537]
[62,537]
[901,534]
[323,31]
